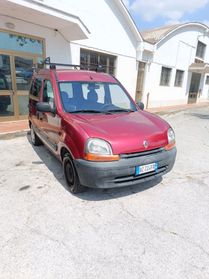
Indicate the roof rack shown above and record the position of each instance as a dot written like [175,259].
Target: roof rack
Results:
[47,61]
[52,66]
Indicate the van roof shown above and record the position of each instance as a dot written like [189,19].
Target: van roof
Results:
[79,75]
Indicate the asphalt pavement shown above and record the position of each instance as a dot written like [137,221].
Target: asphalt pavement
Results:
[154,230]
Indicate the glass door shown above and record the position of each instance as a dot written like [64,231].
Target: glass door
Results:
[18,54]
[23,74]
[7,96]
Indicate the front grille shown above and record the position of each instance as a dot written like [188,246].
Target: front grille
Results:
[143,153]
[132,178]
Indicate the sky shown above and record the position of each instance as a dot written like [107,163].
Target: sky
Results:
[149,14]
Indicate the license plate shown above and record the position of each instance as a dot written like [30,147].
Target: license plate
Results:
[146,168]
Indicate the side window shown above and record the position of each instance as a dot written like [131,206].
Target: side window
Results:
[36,87]
[48,94]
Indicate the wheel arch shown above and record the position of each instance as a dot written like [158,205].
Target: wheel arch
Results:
[63,151]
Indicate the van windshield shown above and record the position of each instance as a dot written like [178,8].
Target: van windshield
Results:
[91,97]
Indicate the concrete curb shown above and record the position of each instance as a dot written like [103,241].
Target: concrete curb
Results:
[14,134]
[177,109]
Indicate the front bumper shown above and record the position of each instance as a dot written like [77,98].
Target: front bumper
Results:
[122,173]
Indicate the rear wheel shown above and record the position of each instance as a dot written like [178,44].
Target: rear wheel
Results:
[34,138]
[71,175]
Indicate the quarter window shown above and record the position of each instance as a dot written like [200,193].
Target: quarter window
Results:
[90,60]
[165,76]
[179,78]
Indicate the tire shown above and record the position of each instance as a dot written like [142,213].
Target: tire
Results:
[34,138]
[71,175]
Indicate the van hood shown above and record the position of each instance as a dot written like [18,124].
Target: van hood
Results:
[126,132]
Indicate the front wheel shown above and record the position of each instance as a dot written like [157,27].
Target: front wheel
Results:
[71,175]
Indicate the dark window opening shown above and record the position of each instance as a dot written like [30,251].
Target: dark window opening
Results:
[165,76]
[179,78]
[90,60]
[200,50]
[207,80]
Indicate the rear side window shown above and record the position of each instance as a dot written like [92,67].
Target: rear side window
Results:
[36,87]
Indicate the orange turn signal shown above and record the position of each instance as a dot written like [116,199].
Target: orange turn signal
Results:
[101,158]
[170,146]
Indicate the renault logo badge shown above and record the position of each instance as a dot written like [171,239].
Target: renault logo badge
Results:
[145,143]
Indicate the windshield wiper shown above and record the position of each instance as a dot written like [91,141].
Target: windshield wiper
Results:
[86,111]
[119,110]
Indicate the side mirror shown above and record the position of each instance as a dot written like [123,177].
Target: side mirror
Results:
[140,105]
[45,107]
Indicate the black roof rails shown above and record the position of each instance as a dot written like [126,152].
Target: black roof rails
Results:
[47,61]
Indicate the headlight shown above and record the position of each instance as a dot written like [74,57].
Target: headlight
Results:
[98,146]
[171,135]
[99,150]
[171,139]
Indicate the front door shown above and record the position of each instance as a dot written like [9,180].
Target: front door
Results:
[194,88]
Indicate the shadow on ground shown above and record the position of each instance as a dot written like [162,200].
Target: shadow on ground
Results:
[54,165]
[200,115]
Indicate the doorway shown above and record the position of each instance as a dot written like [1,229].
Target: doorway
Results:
[18,55]
[140,81]
[194,88]
[15,77]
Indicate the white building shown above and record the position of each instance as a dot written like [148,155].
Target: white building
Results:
[168,67]
[173,69]
[69,31]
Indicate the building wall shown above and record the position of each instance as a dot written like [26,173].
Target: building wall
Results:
[108,28]
[56,46]
[125,66]
[109,33]
[177,51]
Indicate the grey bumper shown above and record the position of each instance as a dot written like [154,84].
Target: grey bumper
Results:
[122,173]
